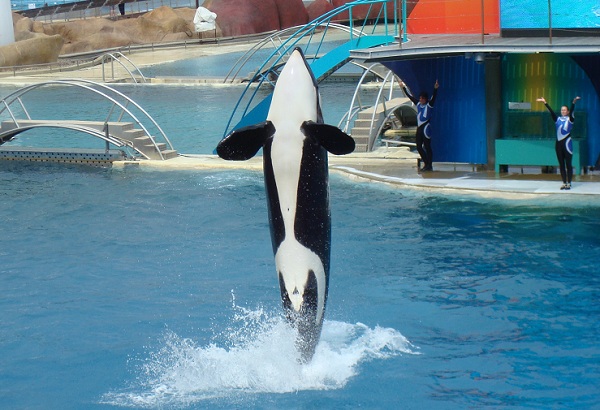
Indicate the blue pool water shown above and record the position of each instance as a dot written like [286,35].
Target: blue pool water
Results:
[133,288]
[152,289]
[193,117]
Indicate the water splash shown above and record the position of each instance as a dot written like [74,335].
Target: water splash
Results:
[255,354]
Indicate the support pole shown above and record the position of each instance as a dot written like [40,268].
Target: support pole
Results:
[107,135]
[550,21]
[482,22]
[404,35]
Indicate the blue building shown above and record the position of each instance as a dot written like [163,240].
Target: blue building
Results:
[486,111]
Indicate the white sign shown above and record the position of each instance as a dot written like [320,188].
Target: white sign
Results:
[519,106]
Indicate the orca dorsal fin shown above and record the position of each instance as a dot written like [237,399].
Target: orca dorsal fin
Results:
[331,138]
[244,143]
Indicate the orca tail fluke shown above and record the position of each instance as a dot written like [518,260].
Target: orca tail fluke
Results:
[307,341]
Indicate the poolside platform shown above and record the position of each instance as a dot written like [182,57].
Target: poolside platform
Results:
[398,167]
[70,156]
[443,45]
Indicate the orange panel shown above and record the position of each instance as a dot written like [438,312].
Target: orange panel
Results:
[453,17]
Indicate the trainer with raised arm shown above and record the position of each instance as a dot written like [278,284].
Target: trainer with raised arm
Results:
[564,144]
[424,110]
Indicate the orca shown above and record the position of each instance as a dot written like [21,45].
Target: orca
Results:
[295,143]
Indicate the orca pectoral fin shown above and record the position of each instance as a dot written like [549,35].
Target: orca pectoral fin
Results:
[331,138]
[244,143]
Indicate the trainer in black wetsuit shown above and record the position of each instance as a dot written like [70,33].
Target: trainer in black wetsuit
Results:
[424,111]
[564,144]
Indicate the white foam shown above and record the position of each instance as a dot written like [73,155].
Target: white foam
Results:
[256,354]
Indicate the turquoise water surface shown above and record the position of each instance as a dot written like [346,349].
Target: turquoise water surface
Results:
[136,288]
[148,289]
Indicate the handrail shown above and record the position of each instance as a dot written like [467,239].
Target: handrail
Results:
[115,57]
[88,130]
[324,21]
[373,135]
[103,135]
[354,109]
[261,44]
[67,9]
[89,85]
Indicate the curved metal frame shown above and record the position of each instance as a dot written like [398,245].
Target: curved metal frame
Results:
[353,110]
[89,85]
[278,35]
[322,22]
[117,57]
[91,131]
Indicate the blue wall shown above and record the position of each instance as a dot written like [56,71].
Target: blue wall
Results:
[458,123]
[459,120]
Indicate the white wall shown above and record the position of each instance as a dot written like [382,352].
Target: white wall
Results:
[7,34]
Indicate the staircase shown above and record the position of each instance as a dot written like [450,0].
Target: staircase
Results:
[124,124]
[361,131]
[367,126]
[124,131]
[144,144]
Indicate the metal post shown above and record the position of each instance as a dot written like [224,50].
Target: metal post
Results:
[482,23]
[106,134]
[550,21]
[404,35]
[351,22]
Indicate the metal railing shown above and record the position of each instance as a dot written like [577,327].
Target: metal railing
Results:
[120,106]
[316,33]
[118,57]
[275,41]
[69,10]
[385,94]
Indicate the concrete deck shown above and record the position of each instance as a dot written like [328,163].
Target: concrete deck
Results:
[398,167]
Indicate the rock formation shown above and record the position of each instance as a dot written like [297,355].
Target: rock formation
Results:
[160,25]
[34,50]
[38,42]
[318,8]
[363,12]
[239,17]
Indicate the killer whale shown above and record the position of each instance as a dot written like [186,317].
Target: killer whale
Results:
[295,142]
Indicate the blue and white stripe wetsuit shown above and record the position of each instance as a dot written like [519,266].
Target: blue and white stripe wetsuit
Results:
[424,112]
[423,137]
[564,144]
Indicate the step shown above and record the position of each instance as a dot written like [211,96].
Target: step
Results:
[360,139]
[360,132]
[365,115]
[113,127]
[161,146]
[166,154]
[130,135]
[362,123]
[169,154]
[361,148]
[144,145]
